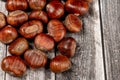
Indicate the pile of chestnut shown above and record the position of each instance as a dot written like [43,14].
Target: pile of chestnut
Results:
[46,25]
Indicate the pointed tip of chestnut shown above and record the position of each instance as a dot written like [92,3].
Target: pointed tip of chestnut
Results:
[60,64]
[67,47]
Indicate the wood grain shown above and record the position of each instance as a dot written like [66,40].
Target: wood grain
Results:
[110,15]
[2,46]
[88,61]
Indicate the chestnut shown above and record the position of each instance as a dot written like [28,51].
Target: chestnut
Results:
[12,5]
[67,47]
[73,23]
[77,7]
[37,4]
[35,58]
[89,1]
[55,9]
[44,42]
[2,20]
[16,18]
[56,29]
[31,28]
[8,34]
[14,65]
[18,47]
[60,64]
[39,15]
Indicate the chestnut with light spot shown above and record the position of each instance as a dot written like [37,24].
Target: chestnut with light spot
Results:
[18,47]
[55,9]
[2,20]
[14,66]
[73,23]
[31,28]
[12,5]
[37,4]
[35,58]
[56,29]
[39,15]
[67,47]
[44,42]
[60,64]
[16,18]
[8,34]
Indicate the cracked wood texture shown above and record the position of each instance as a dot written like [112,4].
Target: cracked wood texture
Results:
[97,55]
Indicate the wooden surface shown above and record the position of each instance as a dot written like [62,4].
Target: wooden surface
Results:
[98,47]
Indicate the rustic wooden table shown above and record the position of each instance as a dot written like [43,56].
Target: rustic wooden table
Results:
[98,47]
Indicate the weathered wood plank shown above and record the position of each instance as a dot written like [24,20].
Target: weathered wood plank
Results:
[2,46]
[88,61]
[110,12]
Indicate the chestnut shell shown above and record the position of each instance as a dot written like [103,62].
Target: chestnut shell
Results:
[60,64]
[13,65]
[2,20]
[35,58]
[56,29]
[31,28]
[77,7]
[8,34]
[12,5]
[18,47]
[44,42]
[67,47]
[55,9]
[73,23]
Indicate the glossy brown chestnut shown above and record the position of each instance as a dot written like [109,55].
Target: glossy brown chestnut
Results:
[77,7]
[67,47]
[31,28]
[39,15]
[2,20]
[37,4]
[60,64]
[73,23]
[44,42]
[13,65]
[35,58]
[16,18]
[12,5]
[8,34]
[18,47]
[56,29]
[55,9]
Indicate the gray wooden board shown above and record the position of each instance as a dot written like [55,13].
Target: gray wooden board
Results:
[88,60]
[110,15]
